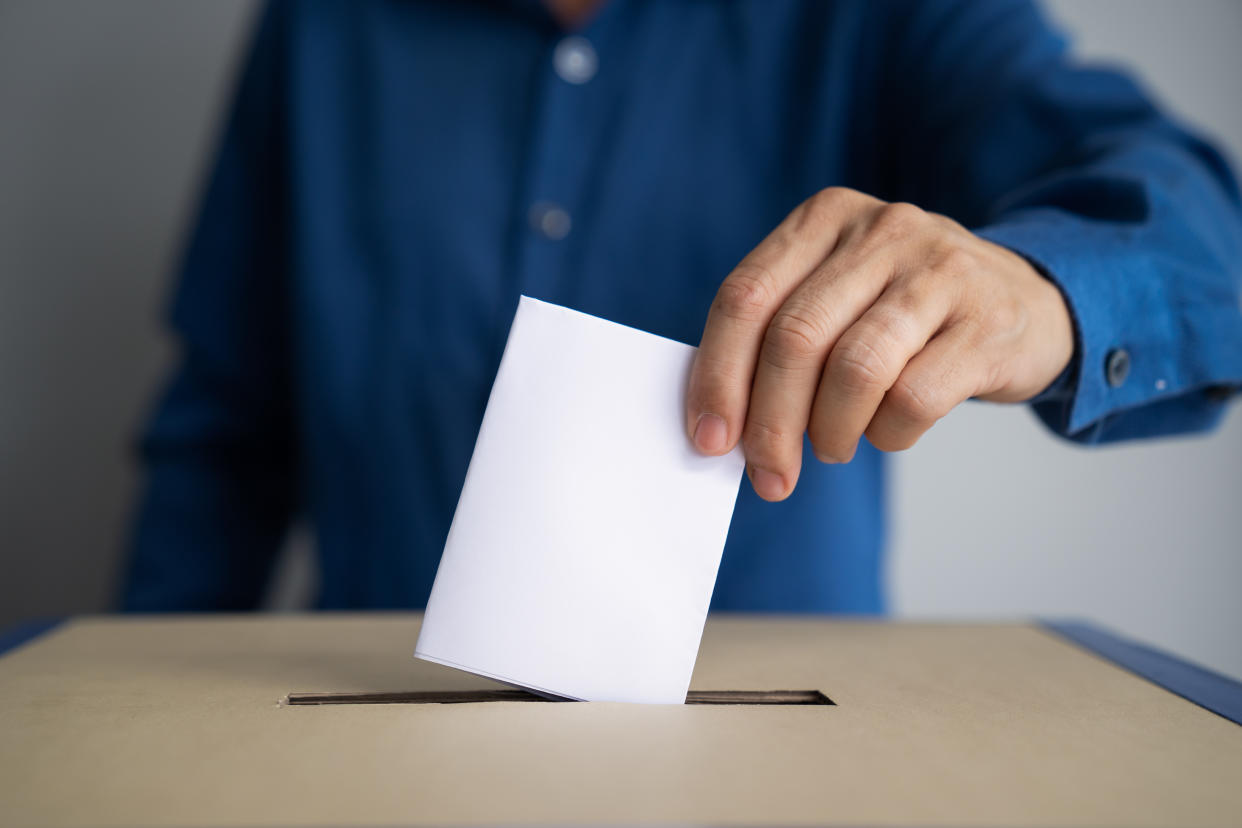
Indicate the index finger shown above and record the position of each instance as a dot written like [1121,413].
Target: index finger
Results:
[724,366]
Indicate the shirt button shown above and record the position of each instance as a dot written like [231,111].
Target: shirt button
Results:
[1117,367]
[575,60]
[549,220]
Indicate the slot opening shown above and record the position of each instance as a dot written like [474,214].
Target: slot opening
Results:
[717,697]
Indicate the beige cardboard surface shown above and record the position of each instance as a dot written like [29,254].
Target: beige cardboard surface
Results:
[181,722]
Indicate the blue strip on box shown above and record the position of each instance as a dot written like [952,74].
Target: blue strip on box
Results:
[1213,691]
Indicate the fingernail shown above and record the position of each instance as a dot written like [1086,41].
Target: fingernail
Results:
[768,485]
[711,434]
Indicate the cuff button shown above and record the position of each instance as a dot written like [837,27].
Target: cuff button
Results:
[1117,367]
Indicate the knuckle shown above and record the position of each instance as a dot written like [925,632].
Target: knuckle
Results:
[835,194]
[794,336]
[953,260]
[899,218]
[717,371]
[912,297]
[763,442]
[924,292]
[826,207]
[714,382]
[858,366]
[817,211]
[887,326]
[913,402]
[745,293]
[828,446]
[831,198]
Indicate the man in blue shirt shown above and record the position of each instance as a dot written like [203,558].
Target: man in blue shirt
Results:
[394,174]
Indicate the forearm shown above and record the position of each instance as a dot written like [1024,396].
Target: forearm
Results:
[219,494]
[205,537]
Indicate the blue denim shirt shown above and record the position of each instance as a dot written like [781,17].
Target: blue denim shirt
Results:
[393,175]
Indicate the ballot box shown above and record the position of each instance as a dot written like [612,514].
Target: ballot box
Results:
[189,721]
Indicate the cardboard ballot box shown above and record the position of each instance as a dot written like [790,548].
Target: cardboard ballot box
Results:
[187,721]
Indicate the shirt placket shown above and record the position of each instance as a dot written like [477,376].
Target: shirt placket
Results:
[549,212]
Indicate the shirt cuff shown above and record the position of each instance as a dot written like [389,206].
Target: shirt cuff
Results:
[1126,350]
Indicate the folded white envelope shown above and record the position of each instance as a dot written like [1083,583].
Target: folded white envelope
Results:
[585,545]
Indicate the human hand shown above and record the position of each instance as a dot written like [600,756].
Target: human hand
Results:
[856,316]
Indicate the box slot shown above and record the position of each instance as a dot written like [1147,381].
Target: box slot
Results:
[717,697]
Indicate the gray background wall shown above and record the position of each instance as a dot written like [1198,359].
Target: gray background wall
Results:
[106,113]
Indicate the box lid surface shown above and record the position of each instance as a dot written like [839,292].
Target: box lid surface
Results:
[149,721]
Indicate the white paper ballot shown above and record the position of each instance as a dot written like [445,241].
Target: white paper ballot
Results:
[584,549]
